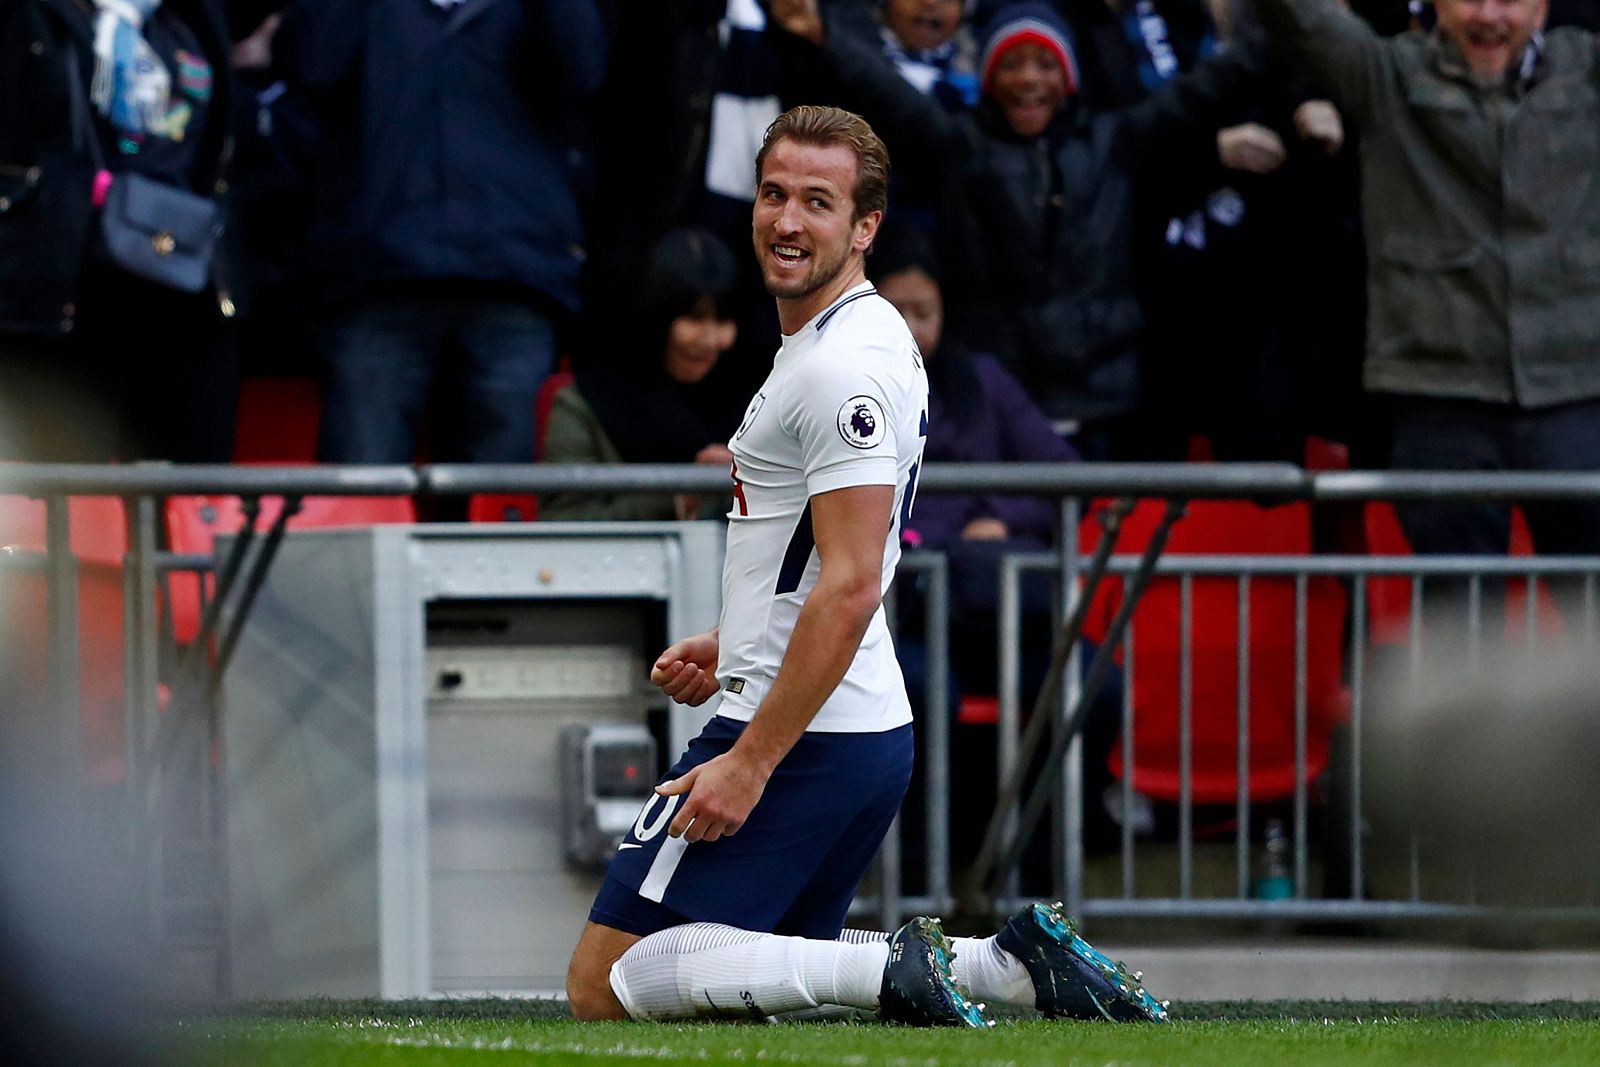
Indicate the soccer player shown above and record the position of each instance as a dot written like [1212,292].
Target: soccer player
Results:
[729,894]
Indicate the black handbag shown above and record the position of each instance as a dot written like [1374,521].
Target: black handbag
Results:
[150,229]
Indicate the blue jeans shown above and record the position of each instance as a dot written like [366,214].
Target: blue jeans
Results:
[1465,435]
[477,361]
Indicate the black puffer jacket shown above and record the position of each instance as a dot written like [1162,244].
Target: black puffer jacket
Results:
[1037,232]
[46,174]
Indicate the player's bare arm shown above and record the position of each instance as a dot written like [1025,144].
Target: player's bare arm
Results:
[687,670]
[852,526]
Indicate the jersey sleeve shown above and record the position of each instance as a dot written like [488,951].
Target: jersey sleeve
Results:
[845,416]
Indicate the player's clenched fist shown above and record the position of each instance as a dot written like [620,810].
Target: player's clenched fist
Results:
[687,670]
[722,793]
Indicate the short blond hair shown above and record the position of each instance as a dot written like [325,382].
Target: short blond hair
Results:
[827,126]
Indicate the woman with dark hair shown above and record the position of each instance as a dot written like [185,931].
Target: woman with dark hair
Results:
[651,392]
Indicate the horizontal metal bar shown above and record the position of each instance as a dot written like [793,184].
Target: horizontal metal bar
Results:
[1230,908]
[1276,480]
[1226,908]
[183,562]
[1195,481]
[1338,566]
[1189,480]
[1456,485]
[16,559]
[449,479]
[82,479]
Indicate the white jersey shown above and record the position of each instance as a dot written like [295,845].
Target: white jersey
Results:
[846,404]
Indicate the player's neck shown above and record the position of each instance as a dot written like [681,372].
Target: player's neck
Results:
[794,313]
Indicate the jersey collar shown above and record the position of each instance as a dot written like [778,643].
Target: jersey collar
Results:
[819,321]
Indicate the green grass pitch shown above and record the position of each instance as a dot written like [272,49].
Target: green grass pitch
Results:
[508,1032]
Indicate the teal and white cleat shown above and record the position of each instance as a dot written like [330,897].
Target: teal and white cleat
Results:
[1071,978]
[918,988]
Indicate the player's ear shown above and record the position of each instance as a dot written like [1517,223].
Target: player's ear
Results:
[866,230]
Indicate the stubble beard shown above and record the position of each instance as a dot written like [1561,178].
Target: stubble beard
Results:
[822,274]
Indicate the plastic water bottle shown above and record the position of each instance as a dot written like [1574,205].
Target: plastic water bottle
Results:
[1274,881]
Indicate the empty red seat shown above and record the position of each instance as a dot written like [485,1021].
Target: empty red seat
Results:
[1389,598]
[1225,528]
[194,523]
[278,421]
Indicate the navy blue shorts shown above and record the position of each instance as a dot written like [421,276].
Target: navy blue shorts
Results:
[792,868]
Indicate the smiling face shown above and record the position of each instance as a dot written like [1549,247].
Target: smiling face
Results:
[1028,85]
[1492,34]
[808,243]
[696,341]
[923,25]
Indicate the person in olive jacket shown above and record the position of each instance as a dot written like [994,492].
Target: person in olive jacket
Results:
[1480,160]
[96,363]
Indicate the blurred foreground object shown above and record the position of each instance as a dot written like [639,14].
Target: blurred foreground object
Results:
[1491,765]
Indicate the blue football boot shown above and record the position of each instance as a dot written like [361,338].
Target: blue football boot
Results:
[918,988]
[1072,979]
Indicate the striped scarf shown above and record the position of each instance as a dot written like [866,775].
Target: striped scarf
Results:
[131,87]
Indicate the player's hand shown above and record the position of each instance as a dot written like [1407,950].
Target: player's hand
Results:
[687,670]
[722,793]
[1319,121]
[1251,147]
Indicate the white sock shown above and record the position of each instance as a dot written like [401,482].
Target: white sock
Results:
[990,973]
[709,969]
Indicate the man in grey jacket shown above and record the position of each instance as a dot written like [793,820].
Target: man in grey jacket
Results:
[1480,153]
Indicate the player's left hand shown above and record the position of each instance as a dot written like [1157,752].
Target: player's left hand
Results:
[722,793]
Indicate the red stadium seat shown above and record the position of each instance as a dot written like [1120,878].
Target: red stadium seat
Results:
[1232,529]
[278,420]
[99,540]
[194,522]
[502,507]
[1389,599]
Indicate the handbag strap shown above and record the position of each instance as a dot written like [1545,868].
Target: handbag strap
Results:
[82,119]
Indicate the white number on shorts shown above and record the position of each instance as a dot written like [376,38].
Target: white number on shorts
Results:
[643,828]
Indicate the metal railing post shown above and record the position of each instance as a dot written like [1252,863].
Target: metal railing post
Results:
[61,583]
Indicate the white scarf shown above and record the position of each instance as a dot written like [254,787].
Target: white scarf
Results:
[131,86]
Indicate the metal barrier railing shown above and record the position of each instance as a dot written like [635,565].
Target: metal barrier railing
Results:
[142,486]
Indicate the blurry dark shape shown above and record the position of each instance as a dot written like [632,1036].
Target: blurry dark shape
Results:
[76,985]
[96,363]
[1487,763]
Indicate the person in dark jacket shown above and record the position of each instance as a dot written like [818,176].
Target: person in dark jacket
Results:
[1038,225]
[655,390]
[451,223]
[95,362]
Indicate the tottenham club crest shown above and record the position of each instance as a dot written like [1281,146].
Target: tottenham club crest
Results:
[861,422]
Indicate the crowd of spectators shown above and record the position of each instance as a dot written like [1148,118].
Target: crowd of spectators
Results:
[1142,222]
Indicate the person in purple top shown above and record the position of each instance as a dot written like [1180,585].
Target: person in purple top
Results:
[979,413]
